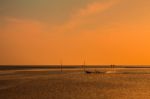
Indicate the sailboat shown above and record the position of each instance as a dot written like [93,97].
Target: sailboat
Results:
[84,69]
[89,72]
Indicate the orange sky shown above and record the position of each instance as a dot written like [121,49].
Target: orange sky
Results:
[43,32]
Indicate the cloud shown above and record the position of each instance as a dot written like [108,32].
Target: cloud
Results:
[25,27]
[22,29]
[95,7]
[16,22]
[85,15]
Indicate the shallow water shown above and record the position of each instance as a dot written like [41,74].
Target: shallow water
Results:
[76,70]
[74,84]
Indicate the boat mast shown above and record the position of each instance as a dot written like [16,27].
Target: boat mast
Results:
[84,69]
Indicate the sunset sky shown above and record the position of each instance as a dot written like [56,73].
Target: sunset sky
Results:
[43,32]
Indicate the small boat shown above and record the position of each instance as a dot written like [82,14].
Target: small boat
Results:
[94,72]
[88,72]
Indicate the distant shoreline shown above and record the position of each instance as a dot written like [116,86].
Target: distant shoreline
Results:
[20,67]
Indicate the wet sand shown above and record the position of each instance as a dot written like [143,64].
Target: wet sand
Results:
[73,85]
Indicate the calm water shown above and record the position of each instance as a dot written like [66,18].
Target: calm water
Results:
[76,70]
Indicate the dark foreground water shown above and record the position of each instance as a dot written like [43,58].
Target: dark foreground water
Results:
[122,83]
